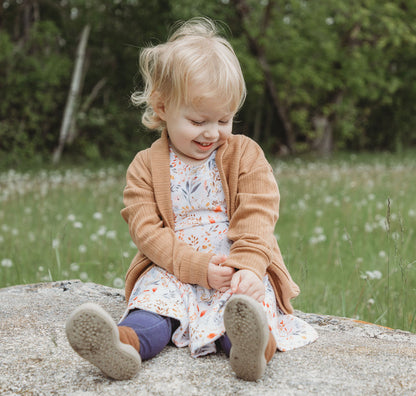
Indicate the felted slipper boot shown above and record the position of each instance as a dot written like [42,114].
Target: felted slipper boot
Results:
[93,334]
[246,326]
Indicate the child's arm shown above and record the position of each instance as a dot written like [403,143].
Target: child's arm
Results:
[255,214]
[148,231]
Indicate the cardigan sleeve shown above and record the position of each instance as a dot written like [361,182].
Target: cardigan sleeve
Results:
[256,212]
[153,237]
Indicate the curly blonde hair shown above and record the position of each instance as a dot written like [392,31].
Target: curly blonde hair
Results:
[194,55]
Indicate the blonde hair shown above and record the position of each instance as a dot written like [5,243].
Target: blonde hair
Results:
[194,55]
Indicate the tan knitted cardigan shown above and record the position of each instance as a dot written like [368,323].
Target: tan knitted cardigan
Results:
[252,198]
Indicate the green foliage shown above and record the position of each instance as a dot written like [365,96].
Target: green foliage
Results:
[345,61]
[350,64]
[33,91]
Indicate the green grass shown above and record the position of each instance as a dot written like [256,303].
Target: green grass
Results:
[346,229]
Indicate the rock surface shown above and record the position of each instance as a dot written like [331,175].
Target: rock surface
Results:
[349,358]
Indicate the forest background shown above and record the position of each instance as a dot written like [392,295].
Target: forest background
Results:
[321,75]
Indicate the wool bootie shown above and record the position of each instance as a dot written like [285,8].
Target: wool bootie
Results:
[93,334]
[252,344]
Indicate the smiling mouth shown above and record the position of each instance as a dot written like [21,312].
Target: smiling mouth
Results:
[204,146]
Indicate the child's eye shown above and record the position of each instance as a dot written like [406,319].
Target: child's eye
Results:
[223,122]
[197,123]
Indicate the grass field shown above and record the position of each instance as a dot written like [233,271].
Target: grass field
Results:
[346,230]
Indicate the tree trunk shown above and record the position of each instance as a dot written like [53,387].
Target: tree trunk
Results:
[73,95]
[257,50]
[323,142]
[73,132]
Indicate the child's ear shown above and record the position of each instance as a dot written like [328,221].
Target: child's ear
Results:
[158,105]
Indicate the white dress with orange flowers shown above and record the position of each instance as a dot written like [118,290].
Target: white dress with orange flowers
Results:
[201,220]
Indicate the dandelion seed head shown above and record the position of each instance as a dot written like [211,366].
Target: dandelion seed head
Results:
[370,301]
[111,234]
[94,237]
[382,254]
[6,263]
[395,236]
[97,216]
[368,227]
[74,267]
[82,248]
[31,236]
[71,217]
[55,243]
[373,275]
[78,224]
[118,283]
[318,230]
[83,276]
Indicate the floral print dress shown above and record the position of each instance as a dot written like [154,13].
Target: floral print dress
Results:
[201,220]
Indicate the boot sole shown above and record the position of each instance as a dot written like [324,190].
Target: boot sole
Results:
[246,326]
[93,334]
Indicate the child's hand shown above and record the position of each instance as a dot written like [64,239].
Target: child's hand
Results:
[247,282]
[219,277]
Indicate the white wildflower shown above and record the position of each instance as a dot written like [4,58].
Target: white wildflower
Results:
[78,224]
[373,275]
[319,230]
[111,234]
[74,267]
[55,243]
[97,216]
[368,227]
[118,283]
[83,276]
[82,248]
[6,262]
[71,217]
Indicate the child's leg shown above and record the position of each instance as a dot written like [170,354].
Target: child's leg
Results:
[252,344]
[153,331]
[94,335]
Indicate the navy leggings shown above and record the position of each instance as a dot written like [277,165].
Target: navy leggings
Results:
[155,331]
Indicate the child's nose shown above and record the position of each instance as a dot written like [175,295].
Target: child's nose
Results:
[211,131]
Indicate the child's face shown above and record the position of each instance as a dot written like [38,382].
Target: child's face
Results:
[196,131]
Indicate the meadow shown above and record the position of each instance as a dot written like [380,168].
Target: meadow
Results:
[346,230]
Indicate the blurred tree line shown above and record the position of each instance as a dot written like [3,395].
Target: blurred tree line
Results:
[321,75]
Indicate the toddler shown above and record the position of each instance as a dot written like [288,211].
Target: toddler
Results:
[201,204]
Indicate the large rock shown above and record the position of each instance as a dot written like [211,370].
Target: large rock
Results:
[349,358]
